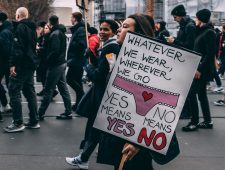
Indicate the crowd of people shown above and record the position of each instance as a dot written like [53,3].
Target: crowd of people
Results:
[26,47]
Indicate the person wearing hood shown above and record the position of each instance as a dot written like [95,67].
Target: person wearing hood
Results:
[56,66]
[75,56]
[185,38]
[162,32]
[6,39]
[206,46]
[23,62]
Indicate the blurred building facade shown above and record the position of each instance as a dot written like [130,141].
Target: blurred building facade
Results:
[217,7]
[120,9]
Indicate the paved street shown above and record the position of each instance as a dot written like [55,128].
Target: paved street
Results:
[46,148]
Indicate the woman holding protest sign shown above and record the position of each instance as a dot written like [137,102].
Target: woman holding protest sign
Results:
[98,72]
[118,152]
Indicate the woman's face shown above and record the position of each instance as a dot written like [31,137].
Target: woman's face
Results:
[128,25]
[105,31]
[46,29]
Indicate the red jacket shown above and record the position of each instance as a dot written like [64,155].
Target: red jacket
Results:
[93,41]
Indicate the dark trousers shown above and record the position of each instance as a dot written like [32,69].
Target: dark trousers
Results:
[198,87]
[222,67]
[23,81]
[217,78]
[41,74]
[4,72]
[92,136]
[74,80]
[55,76]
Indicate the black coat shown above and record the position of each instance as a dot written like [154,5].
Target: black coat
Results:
[99,76]
[205,44]
[56,47]
[162,34]
[6,40]
[77,46]
[24,45]
[186,34]
[110,152]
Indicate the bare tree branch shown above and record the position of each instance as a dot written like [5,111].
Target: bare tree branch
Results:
[38,9]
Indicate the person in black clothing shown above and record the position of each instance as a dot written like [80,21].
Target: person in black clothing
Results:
[206,46]
[75,56]
[185,38]
[222,55]
[43,28]
[111,148]
[97,72]
[162,32]
[41,70]
[186,34]
[56,64]
[23,62]
[6,39]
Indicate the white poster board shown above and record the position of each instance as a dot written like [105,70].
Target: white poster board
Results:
[146,92]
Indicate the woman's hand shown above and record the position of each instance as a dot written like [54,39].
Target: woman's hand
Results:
[170,39]
[13,71]
[130,151]
[197,75]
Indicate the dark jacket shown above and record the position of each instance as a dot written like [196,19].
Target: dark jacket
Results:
[110,152]
[206,46]
[186,34]
[56,48]
[162,34]
[6,40]
[99,76]
[24,45]
[77,46]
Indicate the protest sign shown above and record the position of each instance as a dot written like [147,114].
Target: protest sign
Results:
[146,92]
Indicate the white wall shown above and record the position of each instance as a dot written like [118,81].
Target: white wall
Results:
[63,9]
[66,3]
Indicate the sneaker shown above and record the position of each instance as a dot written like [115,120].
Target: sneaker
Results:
[64,116]
[205,125]
[6,109]
[221,76]
[219,103]
[209,88]
[190,127]
[76,161]
[30,125]
[14,128]
[218,90]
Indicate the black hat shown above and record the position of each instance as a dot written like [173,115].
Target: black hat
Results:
[54,20]
[41,24]
[179,11]
[3,16]
[204,15]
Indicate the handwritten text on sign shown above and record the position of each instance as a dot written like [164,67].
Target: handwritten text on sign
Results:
[146,92]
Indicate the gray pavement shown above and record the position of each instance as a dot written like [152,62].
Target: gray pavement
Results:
[46,148]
